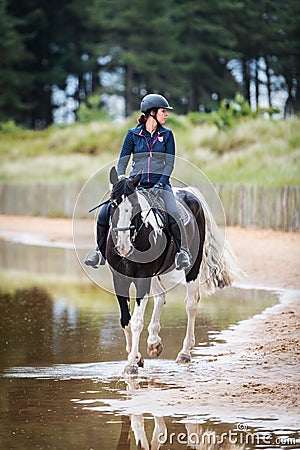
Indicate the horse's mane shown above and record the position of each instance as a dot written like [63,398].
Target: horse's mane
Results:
[124,187]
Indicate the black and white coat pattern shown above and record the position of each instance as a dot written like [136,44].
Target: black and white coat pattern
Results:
[140,252]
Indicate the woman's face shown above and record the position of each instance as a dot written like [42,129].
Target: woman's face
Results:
[162,115]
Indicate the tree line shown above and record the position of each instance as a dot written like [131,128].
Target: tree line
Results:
[196,53]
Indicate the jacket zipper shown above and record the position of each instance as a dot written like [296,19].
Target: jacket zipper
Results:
[150,148]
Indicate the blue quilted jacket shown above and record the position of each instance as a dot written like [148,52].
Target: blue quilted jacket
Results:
[155,155]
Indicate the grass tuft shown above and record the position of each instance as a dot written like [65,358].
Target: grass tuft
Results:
[260,150]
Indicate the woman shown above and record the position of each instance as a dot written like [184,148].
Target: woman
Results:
[152,148]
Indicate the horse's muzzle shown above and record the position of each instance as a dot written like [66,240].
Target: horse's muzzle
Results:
[124,251]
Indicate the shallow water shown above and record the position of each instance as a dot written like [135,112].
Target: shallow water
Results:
[62,359]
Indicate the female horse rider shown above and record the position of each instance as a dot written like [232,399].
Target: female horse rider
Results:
[152,147]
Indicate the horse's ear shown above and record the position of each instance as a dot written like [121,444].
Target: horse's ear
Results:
[137,178]
[113,176]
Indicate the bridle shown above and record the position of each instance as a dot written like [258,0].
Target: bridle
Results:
[115,230]
[114,202]
[131,227]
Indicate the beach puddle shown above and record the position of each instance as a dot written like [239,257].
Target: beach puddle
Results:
[62,358]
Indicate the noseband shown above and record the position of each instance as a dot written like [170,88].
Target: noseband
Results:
[131,227]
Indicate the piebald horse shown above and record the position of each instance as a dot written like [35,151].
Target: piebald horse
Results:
[140,252]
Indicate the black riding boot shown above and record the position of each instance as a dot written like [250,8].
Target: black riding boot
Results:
[98,258]
[182,258]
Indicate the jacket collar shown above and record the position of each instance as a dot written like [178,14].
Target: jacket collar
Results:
[141,129]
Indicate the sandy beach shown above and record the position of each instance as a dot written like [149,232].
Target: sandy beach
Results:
[255,373]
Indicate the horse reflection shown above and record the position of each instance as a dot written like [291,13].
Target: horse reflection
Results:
[194,436]
[135,422]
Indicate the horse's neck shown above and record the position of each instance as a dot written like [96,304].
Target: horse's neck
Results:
[147,213]
[145,206]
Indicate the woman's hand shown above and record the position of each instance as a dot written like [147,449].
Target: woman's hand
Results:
[159,185]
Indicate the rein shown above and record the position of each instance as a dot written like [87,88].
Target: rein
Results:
[130,227]
[151,208]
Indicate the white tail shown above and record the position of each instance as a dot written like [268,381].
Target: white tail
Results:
[219,265]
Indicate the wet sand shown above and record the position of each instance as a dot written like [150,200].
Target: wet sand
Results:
[255,373]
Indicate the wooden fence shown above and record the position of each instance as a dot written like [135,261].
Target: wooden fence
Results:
[244,205]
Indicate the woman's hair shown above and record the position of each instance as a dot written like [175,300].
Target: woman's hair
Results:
[142,119]
[144,116]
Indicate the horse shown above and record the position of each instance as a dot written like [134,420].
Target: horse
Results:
[140,252]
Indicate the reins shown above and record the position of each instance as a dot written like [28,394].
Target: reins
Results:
[151,208]
[132,227]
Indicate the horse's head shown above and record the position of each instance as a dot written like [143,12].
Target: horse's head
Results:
[123,208]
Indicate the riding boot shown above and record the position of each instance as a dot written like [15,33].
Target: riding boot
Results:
[182,258]
[98,258]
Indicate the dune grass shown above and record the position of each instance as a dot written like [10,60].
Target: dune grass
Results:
[260,151]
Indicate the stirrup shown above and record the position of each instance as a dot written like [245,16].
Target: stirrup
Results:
[182,260]
[95,260]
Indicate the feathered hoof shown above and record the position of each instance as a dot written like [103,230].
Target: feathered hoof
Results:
[131,369]
[183,358]
[155,350]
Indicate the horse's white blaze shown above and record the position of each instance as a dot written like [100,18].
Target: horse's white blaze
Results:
[149,217]
[124,245]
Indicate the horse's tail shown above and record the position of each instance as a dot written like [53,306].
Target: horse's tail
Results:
[219,264]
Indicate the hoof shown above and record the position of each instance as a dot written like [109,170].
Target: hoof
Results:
[155,350]
[140,362]
[131,369]
[183,358]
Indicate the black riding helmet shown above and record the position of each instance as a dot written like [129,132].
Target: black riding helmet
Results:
[154,101]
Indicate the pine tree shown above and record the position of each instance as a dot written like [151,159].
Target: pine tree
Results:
[13,77]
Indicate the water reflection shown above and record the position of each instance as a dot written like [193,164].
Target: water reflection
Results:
[37,328]
[62,360]
[39,260]
[24,331]
[47,413]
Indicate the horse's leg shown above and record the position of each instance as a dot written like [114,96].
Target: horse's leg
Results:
[155,346]
[137,324]
[124,303]
[138,428]
[159,435]
[191,304]
[121,286]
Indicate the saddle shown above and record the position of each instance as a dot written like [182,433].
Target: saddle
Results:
[157,205]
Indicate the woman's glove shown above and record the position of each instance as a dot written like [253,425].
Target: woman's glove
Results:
[159,185]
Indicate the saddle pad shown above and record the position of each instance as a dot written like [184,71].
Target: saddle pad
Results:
[158,206]
[183,212]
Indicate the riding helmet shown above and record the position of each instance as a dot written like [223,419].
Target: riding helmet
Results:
[152,101]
